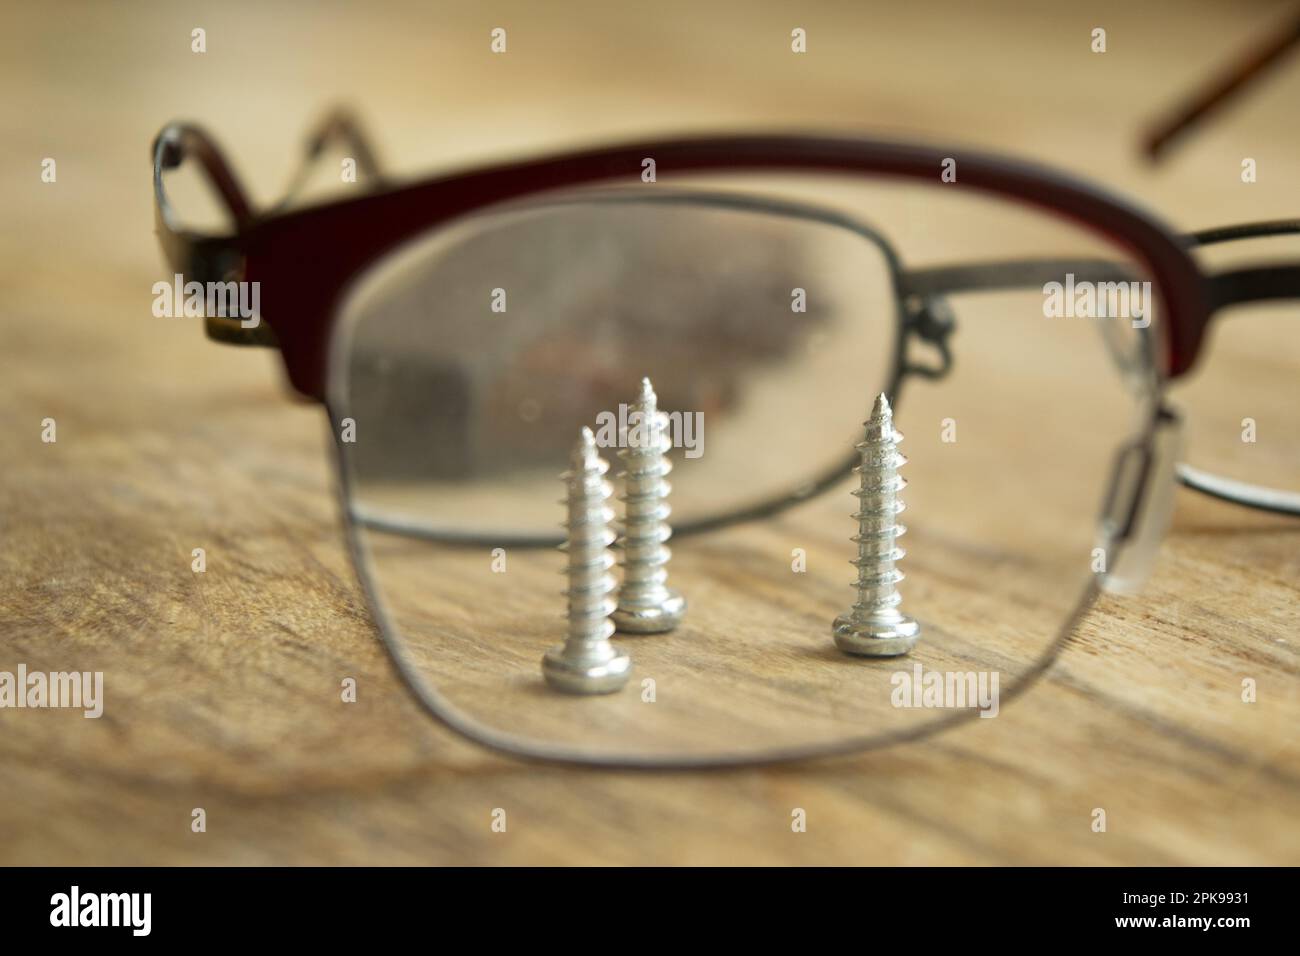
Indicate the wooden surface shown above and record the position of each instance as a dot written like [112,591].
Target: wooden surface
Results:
[222,688]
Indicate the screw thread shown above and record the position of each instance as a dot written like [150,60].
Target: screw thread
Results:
[590,582]
[879,506]
[644,529]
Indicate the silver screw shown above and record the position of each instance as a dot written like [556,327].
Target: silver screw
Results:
[875,627]
[645,604]
[587,663]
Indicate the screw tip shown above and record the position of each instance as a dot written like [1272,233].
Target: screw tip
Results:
[585,453]
[880,412]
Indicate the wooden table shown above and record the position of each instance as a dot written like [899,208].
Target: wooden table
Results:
[224,686]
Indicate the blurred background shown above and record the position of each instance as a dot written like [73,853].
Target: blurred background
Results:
[166,440]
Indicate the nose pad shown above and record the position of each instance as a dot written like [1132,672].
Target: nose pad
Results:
[1138,506]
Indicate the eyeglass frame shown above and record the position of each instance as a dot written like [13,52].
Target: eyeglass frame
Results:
[306,258]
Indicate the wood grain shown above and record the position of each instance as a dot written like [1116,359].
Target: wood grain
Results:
[222,688]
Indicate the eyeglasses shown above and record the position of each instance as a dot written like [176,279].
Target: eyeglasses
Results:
[461,330]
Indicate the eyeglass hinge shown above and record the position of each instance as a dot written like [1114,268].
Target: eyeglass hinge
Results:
[931,319]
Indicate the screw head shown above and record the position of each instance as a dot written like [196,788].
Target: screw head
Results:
[655,619]
[877,638]
[585,677]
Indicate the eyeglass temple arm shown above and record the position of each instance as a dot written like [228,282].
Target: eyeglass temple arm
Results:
[1220,90]
[199,257]
[1011,274]
[180,141]
[341,127]
[177,143]
[1255,284]
[1233,287]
